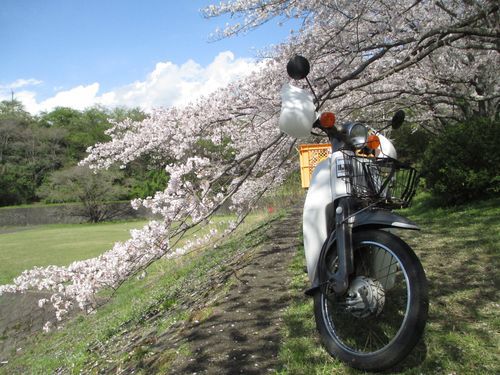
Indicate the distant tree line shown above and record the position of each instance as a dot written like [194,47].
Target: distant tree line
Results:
[39,156]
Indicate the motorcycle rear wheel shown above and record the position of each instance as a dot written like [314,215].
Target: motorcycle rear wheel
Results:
[382,316]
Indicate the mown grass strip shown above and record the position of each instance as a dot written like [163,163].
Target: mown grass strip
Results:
[57,244]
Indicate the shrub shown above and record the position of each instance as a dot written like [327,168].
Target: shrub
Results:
[462,163]
[411,143]
[93,189]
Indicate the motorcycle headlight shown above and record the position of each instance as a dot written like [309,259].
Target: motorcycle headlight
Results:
[357,134]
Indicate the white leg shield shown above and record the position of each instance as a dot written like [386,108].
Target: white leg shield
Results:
[318,197]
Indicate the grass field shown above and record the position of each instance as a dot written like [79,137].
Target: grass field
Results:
[77,346]
[57,244]
[460,251]
[459,248]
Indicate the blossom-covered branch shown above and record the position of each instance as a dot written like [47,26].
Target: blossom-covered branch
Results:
[369,58]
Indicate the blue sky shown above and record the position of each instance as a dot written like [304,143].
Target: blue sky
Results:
[118,52]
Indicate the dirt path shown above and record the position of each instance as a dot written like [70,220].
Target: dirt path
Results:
[233,328]
[243,333]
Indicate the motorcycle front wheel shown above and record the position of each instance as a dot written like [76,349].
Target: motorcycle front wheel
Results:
[382,316]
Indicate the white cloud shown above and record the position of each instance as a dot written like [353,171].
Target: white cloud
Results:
[168,84]
[79,97]
[20,83]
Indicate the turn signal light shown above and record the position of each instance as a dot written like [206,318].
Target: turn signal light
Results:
[327,120]
[373,141]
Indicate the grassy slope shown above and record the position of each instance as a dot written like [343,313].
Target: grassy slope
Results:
[81,344]
[57,244]
[459,249]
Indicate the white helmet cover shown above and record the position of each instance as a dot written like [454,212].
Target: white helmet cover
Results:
[297,111]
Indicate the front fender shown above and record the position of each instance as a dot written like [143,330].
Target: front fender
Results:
[382,219]
[373,219]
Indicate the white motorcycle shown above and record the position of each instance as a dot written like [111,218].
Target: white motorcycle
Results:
[369,287]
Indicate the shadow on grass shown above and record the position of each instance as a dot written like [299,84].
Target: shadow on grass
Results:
[460,253]
[459,249]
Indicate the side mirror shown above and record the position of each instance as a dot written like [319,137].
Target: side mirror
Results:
[398,119]
[298,67]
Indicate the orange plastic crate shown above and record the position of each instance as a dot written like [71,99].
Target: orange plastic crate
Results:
[310,156]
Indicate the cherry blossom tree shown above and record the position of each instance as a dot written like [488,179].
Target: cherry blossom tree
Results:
[439,59]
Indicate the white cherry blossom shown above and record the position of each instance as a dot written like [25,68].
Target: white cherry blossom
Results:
[438,59]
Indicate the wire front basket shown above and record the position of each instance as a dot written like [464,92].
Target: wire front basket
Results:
[382,181]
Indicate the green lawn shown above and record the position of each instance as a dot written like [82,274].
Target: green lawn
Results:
[459,248]
[460,251]
[58,244]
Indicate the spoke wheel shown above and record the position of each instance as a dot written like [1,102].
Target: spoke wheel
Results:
[381,317]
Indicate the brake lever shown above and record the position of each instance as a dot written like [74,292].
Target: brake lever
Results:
[317,124]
